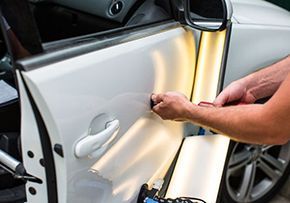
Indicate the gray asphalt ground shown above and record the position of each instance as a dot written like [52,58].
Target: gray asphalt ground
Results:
[284,195]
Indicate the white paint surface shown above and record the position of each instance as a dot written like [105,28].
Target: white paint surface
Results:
[203,155]
[259,12]
[116,81]
[30,141]
[253,47]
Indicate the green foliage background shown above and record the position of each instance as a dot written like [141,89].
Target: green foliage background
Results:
[282,3]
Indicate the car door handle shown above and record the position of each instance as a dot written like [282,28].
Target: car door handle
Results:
[94,142]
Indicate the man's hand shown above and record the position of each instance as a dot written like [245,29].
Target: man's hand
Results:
[236,93]
[172,106]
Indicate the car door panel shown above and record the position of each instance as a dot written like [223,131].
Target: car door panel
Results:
[260,45]
[28,128]
[116,81]
[80,95]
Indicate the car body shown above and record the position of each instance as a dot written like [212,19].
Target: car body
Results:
[87,130]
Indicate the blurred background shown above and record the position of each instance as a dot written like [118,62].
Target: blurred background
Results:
[282,3]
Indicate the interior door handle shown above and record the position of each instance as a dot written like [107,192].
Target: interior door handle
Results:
[94,142]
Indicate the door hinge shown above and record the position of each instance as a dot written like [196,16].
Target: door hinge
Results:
[16,168]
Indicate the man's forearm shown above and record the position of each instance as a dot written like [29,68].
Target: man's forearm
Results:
[243,123]
[265,82]
[254,123]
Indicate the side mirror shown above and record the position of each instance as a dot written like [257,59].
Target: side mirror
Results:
[207,15]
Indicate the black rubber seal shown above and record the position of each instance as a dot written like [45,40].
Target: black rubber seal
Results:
[50,173]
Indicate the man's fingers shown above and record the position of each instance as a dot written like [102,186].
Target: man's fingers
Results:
[157,109]
[157,98]
[220,100]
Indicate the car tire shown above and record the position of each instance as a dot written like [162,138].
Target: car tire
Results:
[255,173]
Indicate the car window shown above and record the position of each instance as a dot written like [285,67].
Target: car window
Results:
[20,29]
[62,19]
[40,22]
[282,3]
[40,25]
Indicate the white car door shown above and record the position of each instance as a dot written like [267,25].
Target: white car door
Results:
[112,86]
[87,103]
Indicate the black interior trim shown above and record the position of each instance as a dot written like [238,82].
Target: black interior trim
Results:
[149,12]
[65,22]
[23,24]
[13,195]
[166,6]
[46,146]
[11,109]
[132,11]
[10,116]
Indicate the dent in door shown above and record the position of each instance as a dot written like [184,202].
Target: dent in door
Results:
[131,160]
[117,81]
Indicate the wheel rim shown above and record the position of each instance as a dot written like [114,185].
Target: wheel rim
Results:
[253,170]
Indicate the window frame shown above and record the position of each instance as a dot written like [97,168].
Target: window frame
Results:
[48,47]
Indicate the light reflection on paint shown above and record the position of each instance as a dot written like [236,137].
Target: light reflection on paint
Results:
[127,165]
[131,158]
[160,71]
[106,159]
[186,48]
[131,173]
[200,165]
[202,156]
[208,66]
